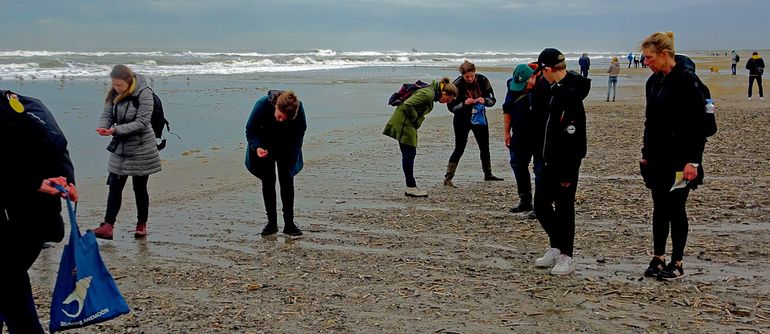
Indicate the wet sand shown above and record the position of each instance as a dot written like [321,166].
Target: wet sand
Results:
[372,260]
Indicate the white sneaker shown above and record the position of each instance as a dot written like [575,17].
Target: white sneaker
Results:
[749,98]
[762,98]
[564,265]
[548,259]
[415,192]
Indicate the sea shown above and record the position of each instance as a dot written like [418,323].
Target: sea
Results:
[208,96]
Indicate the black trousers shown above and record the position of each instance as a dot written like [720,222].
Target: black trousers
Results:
[17,306]
[668,213]
[480,132]
[555,210]
[758,78]
[286,180]
[115,197]
[408,154]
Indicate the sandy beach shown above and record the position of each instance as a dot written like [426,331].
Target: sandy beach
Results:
[373,260]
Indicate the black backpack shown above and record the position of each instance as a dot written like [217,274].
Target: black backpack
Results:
[405,92]
[158,120]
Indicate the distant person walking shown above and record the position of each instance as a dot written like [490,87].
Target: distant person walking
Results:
[474,93]
[736,58]
[636,60]
[630,59]
[672,151]
[407,118]
[612,83]
[585,64]
[564,148]
[275,131]
[756,67]
[524,126]
[133,151]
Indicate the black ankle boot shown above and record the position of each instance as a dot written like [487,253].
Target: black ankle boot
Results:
[490,177]
[270,229]
[525,203]
[291,229]
[656,265]
[670,271]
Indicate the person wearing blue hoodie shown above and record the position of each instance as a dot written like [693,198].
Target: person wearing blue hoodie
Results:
[275,131]
[564,148]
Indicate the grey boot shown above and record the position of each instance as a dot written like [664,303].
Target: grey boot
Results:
[525,203]
[451,168]
[487,167]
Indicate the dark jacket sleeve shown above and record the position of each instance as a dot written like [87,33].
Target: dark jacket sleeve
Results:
[299,131]
[487,92]
[458,104]
[254,135]
[693,139]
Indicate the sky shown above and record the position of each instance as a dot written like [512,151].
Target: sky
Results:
[380,25]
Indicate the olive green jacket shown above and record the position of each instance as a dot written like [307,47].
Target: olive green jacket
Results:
[408,116]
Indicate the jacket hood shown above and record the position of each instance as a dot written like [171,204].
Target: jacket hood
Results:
[688,64]
[578,84]
[141,83]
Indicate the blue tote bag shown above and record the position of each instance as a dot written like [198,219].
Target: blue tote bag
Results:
[85,292]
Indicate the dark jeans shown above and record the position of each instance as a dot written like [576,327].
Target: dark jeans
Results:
[758,78]
[521,155]
[733,67]
[555,209]
[17,306]
[408,153]
[668,211]
[584,72]
[286,181]
[480,132]
[115,197]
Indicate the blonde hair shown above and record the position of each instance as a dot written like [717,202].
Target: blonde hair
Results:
[659,42]
[466,67]
[562,65]
[120,72]
[614,59]
[448,87]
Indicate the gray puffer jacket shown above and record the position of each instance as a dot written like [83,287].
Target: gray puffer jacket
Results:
[137,153]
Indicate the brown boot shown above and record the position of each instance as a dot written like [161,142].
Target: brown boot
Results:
[451,168]
[104,231]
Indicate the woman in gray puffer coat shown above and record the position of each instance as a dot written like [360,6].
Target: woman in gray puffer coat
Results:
[126,118]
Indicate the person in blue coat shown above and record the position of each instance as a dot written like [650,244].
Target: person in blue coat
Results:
[275,131]
[35,158]
[585,64]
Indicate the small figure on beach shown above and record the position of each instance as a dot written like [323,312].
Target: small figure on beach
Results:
[564,148]
[524,125]
[636,60]
[756,67]
[734,62]
[30,206]
[585,64]
[630,57]
[133,151]
[613,70]
[475,94]
[672,151]
[407,118]
[275,132]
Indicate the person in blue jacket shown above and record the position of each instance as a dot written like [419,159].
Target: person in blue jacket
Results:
[585,64]
[35,158]
[275,130]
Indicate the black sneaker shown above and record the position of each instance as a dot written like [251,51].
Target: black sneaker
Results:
[270,229]
[522,207]
[291,229]
[670,271]
[656,265]
[490,177]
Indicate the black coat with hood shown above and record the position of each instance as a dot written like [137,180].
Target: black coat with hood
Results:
[674,128]
[565,143]
[481,85]
[33,148]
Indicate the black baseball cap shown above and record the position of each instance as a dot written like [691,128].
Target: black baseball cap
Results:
[549,57]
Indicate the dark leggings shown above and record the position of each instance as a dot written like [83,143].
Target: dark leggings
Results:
[286,181]
[555,209]
[408,153]
[115,197]
[668,210]
[480,132]
[759,83]
[17,306]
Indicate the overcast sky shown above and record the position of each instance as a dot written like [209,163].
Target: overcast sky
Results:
[431,25]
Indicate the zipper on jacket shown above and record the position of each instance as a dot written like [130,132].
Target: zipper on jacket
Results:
[547,121]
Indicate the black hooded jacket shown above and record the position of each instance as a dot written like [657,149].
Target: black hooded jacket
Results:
[565,142]
[674,132]
[458,106]
[32,149]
